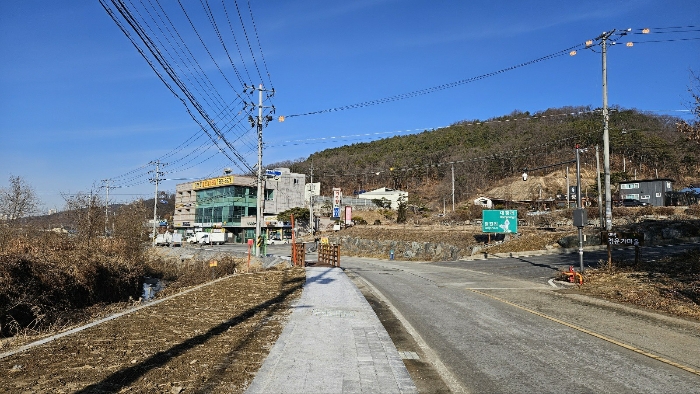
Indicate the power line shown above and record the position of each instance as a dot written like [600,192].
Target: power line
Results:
[257,38]
[433,89]
[329,139]
[245,33]
[153,49]
[210,15]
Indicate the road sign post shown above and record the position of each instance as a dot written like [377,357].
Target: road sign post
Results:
[499,221]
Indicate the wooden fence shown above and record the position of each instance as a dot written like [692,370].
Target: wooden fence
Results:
[329,254]
[298,254]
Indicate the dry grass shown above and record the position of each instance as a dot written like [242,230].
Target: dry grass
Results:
[49,281]
[671,285]
[212,339]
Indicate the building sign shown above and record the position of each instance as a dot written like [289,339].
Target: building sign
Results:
[499,221]
[213,182]
[573,192]
[622,239]
[348,215]
[249,221]
[337,197]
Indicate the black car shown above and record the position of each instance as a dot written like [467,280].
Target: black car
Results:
[629,202]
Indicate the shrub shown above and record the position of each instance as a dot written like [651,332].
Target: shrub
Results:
[359,220]
[666,211]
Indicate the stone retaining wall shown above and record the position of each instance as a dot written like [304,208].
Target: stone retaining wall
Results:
[421,251]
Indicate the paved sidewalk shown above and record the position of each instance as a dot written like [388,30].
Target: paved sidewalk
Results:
[332,343]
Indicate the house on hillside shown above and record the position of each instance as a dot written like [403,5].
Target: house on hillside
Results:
[385,193]
[651,191]
[484,202]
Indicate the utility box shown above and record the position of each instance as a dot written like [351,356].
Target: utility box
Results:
[580,217]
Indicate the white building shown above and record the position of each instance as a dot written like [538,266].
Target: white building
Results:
[385,193]
[484,202]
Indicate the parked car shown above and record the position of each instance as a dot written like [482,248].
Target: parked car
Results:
[277,240]
[629,202]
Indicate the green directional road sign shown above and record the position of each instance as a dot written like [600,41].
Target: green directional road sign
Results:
[499,221]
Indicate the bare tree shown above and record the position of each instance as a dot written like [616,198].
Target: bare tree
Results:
[692,129]
[17,200]
[86,215]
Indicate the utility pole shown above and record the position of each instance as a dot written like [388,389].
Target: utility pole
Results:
[606,134]
[568,193]
[258,123]
[600,195]
[107,187]
[106,181]
[579,206]
[156,178]
[261,185]
[453,187]
[311,200]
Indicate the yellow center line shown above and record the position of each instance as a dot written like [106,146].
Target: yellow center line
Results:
[594,334]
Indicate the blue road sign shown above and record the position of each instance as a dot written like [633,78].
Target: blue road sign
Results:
[336,212]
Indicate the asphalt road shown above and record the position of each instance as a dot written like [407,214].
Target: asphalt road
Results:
[498,326]
[538,267]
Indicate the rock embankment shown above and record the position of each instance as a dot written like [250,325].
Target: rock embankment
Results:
[403,250]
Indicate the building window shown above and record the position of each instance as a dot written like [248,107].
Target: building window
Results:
[217,214]
[658,194]
[632,196]
[645,196]
[627,186]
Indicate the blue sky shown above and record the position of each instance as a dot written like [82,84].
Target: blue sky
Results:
[79,104]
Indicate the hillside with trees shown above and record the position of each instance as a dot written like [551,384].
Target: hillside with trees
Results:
[485,153]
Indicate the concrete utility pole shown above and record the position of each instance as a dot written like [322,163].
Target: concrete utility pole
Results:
[453,187]
[600,195]
[156,178]
[261,191]
[579,205]
[606,135]
[106,181]
[311,200]
[258,122]
[568,192]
